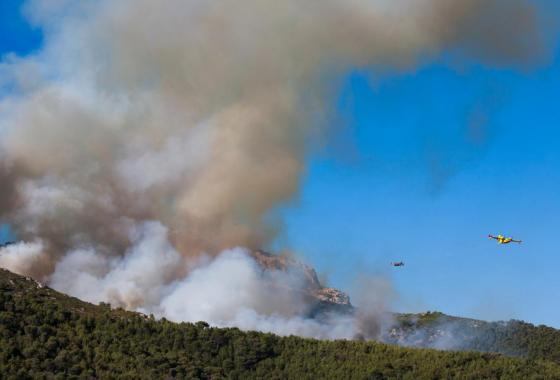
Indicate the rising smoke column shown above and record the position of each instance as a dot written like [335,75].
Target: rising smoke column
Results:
[189,120]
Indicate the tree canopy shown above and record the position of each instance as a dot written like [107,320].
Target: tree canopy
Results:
[47,335]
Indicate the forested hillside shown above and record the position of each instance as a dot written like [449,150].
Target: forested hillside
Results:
[512,338]
[44,334]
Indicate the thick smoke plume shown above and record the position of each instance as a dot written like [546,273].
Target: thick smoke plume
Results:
[147,137]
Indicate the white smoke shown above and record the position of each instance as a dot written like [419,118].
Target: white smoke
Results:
[228,290]
[139,278]
[22,257]
[146,139]
[232,290]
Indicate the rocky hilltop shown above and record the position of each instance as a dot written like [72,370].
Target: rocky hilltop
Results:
[323,297]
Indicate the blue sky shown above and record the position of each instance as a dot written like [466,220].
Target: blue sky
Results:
[427,164]
[16,36]
[440,158]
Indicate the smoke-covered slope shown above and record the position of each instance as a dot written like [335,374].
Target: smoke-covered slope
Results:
[512,338]
[426,330]
[44,333]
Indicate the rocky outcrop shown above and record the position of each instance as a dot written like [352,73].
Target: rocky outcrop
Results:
[322,297]
[332,295]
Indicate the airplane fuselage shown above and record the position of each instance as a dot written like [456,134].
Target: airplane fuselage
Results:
[504,240]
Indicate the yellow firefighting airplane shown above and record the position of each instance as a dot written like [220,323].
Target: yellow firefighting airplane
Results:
[504,240]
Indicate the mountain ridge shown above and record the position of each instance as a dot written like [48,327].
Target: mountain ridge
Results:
[46,334]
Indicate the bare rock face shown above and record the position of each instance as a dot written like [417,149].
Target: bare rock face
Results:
[332,295]
[323,298]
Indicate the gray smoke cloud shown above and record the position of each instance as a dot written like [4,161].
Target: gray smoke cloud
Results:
[147,136]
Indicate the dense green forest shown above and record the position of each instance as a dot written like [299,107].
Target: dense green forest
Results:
[47,335]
